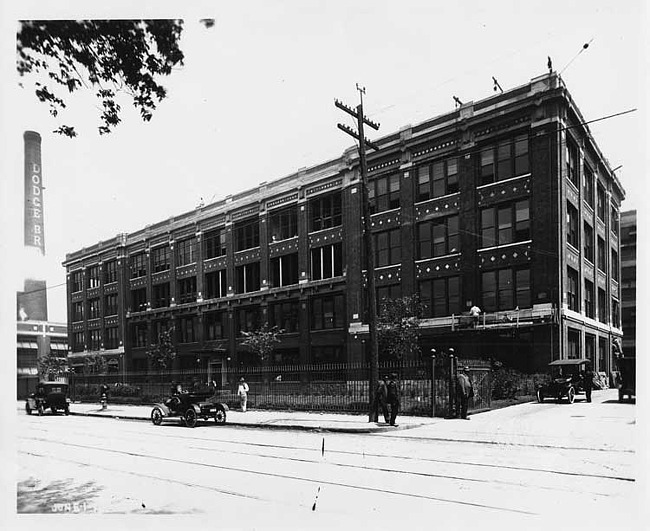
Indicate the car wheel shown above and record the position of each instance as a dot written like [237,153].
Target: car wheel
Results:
[220,416]
[40,411]
[28,409]
[190,418]
[540,396]
[621,396]
[156,416]
[571,395]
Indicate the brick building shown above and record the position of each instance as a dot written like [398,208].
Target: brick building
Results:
[628,281]
[506,203]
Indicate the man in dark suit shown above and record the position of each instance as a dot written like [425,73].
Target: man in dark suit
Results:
[393,397]
[464,390]
[588,380]
[382,398]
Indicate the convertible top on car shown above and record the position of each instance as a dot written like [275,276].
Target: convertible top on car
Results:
[569,362]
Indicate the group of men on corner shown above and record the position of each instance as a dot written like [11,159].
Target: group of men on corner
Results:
[388,398]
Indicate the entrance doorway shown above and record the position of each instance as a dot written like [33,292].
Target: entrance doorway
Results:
[217,373]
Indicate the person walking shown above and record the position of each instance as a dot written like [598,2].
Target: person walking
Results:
[382,398]
[464,390]
[242,391]
[588,382]
[392,388]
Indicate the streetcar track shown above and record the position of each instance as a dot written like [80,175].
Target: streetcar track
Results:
[388,456]
[259,473]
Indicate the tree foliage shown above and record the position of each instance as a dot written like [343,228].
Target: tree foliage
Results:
[104,56]
[162,354]
[95,364]
[52,367]
[262,341]
[398,327]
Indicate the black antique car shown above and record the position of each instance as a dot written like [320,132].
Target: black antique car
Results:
[49,395]
[189,407]
[566,380]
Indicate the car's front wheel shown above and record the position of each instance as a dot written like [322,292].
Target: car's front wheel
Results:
[540,396]
[190,418]
[220,416]
[156,416]
[571,395]
[41,410]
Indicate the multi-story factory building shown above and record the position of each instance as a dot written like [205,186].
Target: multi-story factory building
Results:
[506,204]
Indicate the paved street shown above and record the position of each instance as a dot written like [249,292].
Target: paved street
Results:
[531,464]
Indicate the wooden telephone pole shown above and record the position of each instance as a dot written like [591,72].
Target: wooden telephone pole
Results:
[367,242]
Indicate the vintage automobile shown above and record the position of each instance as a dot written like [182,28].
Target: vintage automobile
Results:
[627,384]
[49,395]
[188,407]
[566,380]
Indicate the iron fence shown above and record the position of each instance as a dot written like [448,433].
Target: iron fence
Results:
[324,387]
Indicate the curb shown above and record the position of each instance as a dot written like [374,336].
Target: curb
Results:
[297,427]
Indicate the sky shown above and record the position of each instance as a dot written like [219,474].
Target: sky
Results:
[254,102]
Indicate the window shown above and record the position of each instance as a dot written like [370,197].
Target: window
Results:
[186,252]
[602,257]
[572,235]
[286,356]
[139,331]
[112,337]
[613,222]
[572,163]
[110,272]
[284,270]
[247,278]
[588,247]
[77,281]
[216,284]
[615,265]
[392,291]
[78,311]
[440,296]
[187,290]
[602,354]
[214,243]
[573,300]
[110,304]
[138,299]
[216,325]
[334,354]
[160,259]
[78,342]
[138,265]
[603,310]
[616,314]
[327,261]
[600,202]
[438,237]
[187,329]
[504,224]
[588,185]
[247,234]
[93,308]
[388,249]
[437,179]
[589,299]
[95,337]
[573,344]
[161,295]
[327,312]
[505,289]
[93,277]
[247,319]
[383,193]
[283,224]
[590,348]
[285,315]
[511,158]
[325,212]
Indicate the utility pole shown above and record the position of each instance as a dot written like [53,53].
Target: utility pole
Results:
[367,242]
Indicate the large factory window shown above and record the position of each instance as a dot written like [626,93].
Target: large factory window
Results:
[110,272]
[440,296]
[138,265]
[327,261]
[187,290]
[160,258]
[438,237]
[216,284]
[247,234]
[384,193]
[325,212]
[284,270]
[283,223]
[247,278]
[214,243]
[186,252]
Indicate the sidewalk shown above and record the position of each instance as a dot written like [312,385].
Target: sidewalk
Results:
[292,420]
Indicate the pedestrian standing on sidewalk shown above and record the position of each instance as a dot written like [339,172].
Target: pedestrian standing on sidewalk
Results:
[588,382]
[464,390]
[242,391]
[392,388]
[382,398]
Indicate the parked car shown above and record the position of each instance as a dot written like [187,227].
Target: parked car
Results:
[188,407]
[566,380]
[49,395]
[627,384]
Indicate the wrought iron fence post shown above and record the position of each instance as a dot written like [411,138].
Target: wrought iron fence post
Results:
[452,381]
[433,382]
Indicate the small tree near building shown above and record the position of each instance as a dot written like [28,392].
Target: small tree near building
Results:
[95,364]
[262,341]
[52,367]
[162,354]
[398,327]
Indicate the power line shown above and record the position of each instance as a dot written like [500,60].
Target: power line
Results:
[43,289]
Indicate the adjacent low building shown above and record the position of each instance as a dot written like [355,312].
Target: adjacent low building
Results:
[506,203]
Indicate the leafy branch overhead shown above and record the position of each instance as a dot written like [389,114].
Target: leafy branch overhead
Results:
[104,56]
[163,353]
[398,326]
[262,341]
